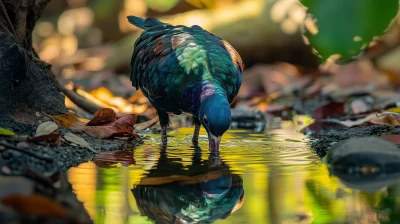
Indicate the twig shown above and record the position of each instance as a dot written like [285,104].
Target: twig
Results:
[74,97]
[9,146]
[4,12]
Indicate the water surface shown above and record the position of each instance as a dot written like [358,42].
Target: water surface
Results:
[258,178]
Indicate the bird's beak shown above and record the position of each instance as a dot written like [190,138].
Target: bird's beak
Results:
[214,142]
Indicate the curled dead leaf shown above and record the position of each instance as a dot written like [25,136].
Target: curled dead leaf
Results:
[123,127]
[103,116]
[70,120]
[388,118]
[46,128]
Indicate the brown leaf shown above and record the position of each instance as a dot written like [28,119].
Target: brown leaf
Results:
[332,109]
[388,118]
[50,138]
[147,124]
[123,127]
[70,120]
[103,116]
[34,205]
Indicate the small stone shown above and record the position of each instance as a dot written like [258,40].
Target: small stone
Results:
[23,145]
[5,170]
[6,155]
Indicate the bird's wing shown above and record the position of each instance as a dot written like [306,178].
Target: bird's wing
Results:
[239,65]
[167,58]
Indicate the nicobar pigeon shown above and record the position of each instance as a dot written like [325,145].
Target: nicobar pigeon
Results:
[186,69]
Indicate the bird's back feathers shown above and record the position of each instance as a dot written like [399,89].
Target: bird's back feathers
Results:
[172,64]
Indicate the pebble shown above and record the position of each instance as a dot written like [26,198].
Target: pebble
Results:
[6,170]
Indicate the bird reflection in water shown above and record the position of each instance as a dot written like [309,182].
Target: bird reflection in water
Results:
[202,192]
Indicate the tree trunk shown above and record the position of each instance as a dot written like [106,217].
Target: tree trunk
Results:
[26,89]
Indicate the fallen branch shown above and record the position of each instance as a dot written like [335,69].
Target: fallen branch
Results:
[74,97]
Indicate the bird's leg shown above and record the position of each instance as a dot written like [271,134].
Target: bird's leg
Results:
[195,139]
[164,138]
[164,122]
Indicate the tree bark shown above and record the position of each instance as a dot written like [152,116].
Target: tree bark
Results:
[26,90]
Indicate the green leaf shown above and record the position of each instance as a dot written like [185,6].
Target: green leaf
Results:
[161,5]
[346,27]
[6,132]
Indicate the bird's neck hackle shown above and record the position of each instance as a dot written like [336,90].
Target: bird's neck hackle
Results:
[208,91]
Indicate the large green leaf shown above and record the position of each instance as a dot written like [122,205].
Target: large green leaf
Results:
[162,5]
[346,26]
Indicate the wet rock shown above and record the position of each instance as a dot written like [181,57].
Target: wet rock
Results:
[367,183]
[248,119]
[322,145]
[367,163]
[371,151]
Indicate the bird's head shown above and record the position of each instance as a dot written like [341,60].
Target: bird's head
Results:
[215,116]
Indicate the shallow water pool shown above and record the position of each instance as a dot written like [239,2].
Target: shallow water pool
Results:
[257,178]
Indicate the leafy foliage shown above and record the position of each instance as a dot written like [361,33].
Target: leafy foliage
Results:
[347,27]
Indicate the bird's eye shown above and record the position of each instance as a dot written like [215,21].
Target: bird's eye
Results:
[205,120]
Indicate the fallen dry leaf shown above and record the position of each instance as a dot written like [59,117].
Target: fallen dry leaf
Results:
[78,140]
[147,124]
[50,138]
[70,120]
[103,116]
[34,205]
[351,123]
[332,109]
[46,128]
[104,124]
[123,127]
[389,118]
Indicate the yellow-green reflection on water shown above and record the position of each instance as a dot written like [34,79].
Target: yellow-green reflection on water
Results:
[283,182]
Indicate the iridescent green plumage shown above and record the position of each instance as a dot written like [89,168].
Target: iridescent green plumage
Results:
[178,67]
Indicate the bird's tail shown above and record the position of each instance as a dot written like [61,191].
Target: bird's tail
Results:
[143,23]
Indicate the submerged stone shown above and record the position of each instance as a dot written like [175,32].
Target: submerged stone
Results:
[248,119]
